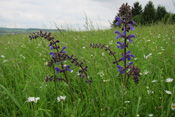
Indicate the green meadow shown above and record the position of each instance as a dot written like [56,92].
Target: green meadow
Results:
[23,67]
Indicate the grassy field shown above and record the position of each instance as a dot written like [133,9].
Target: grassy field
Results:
[23,69]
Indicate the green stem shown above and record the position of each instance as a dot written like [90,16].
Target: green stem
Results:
[67,81]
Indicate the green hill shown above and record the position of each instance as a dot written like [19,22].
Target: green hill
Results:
[26,30]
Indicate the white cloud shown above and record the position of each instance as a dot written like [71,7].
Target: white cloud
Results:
[37,13]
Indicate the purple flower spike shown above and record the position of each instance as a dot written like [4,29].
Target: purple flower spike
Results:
[57,70]
[118,32]
[119,21]
[131,36]
[62,51]
[52,54]
[121,70]
[121,45]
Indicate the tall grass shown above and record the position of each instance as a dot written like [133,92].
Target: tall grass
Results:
[22,73]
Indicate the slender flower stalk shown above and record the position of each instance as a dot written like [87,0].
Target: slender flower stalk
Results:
[128,69]
[125,20]
[57,61]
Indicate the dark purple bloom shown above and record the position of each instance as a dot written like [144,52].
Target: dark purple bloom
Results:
[128,56]
[68,68]
[57,70]
[119,21]
[51,47]
[88,81]
[131,36]
[121,45]
[121,70]
[62,51]
[118,32]
[131,22]
[52,54]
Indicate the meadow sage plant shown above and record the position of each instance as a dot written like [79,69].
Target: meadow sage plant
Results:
[126,23]
[58,56]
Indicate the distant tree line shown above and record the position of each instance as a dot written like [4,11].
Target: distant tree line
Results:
[150,15]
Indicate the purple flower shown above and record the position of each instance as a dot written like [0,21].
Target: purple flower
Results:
[68,68]
[131,22]
[62,51]
[124,33]
[121,45]
[118,32]
[119,21]
[52,54]
[51,47]
[128,56]
[57,70]
[130,63]
[132,28]
[131,36]
[121,70]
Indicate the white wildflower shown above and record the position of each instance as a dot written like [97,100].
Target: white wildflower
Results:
[103,54]
[169,80]
[173,106]
[5,61]
[135,58]
[101,74]
[168,92]
[150,92]
[150,115]
[145,72]
[84,47]
[2,56]
[147,56]
[127,102]
[106,80]
[45,63]
[33,99]
[61,98]
[154,81]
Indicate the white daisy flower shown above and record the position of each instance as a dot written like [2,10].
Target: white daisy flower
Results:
[61,98]
[145,72]
[169,80]
[2,56]
[173,106]
[168,92]
[127,102]
[154,81]
[106,80]
[150,92]
[101,74]
[33,99]
[150,115]
[5,61]
[45,63]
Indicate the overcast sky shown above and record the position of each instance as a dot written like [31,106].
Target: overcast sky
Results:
[65,13]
